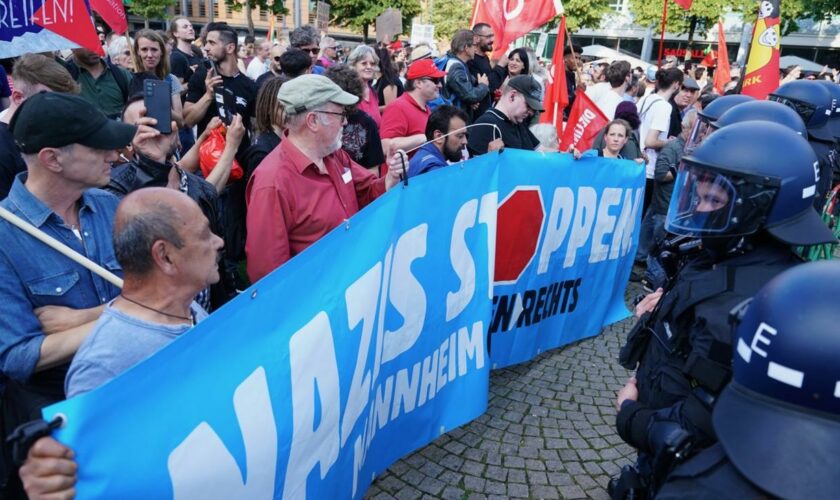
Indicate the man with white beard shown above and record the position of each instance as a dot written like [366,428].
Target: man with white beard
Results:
[307,185]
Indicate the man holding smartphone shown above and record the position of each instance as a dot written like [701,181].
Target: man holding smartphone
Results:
[200,107]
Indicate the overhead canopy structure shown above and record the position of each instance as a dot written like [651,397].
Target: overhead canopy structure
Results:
[804,64]
[607,54]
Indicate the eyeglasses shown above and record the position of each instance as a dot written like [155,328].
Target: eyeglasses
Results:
[344,114]
[330,48]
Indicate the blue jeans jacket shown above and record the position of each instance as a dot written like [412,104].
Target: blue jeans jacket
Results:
[35,275]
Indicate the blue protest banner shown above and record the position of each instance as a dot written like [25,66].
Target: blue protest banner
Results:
[366,346]
[566,238]
[372,342]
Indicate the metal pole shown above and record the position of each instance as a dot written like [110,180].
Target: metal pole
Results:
[662,36]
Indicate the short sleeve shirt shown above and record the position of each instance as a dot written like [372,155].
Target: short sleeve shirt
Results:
[404,117]
[361,140]
[655,113]
[242,87]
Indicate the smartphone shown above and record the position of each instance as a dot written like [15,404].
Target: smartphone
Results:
[157,96]
[210,66]
[225,104]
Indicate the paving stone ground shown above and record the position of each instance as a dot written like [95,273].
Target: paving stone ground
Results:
[548,432]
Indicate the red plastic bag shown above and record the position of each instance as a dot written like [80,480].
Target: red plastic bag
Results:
[211,150]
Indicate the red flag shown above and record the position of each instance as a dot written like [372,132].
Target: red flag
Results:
[722,73]
[76,26]
[762,72]
[113,13]
[510,19]
[585,121]
[556,92]
[685,4]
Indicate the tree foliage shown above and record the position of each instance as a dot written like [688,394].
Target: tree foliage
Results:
[449,16]
[707,12]
[584,13]
[151,9]
[276,8]
[361,14]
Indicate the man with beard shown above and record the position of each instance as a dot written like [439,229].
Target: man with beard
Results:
[103,84]
[436,154]
[682,101]
[480,63]
[307,185]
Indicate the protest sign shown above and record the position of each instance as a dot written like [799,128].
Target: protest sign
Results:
[45,25]
[372,342]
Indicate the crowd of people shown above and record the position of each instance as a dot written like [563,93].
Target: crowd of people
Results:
[312,133]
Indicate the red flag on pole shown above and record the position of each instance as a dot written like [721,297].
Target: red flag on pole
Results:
[76,27]
[762,72]
[585,121]
[113,13]
[685,4]
[722,73]
[556,92]
[510,19]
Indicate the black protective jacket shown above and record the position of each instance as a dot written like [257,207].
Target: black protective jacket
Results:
[684,359]
[143,172]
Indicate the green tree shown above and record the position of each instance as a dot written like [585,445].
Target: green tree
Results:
[151,9]
[276,8]
[584,14]
[361,14]
[449,16]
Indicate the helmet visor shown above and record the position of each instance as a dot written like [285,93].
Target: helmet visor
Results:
[702,127]
[706,203]
[803,109]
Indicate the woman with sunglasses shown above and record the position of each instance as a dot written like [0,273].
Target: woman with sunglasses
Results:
[365,61]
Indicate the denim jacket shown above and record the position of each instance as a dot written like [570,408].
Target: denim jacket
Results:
[35,275]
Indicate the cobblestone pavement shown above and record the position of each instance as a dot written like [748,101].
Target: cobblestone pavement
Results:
[548,432]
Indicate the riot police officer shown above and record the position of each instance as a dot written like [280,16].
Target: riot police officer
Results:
[814,104]
[747,194]
[778,421]
[766,111]
[834,121]
[709,115]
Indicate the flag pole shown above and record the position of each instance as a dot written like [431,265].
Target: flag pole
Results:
[743,69]
[662,35]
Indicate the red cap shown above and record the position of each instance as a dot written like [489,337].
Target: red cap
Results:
[424,68]
[396,45]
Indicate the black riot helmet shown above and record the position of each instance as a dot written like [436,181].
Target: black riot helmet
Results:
[834,121]
[812,102]
[746,177]
[779,418]
[709,115]
[767,111]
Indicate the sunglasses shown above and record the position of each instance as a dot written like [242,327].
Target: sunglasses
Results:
[277,59]
[436,81]
[313,50]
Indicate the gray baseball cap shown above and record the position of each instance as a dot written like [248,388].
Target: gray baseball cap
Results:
[530,89]
[308,92]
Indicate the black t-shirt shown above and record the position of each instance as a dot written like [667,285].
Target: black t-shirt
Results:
[380,89]
[11,162]
[514,135]
[361,140]
[242,87]
[183,65]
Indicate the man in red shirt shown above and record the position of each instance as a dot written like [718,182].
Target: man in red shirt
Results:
[307,185]
[404,120]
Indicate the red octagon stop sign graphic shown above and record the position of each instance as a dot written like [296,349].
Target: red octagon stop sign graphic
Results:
[519,223]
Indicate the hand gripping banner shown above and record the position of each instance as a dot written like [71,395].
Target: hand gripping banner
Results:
[368,345]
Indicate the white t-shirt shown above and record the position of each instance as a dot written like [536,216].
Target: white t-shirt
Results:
[655,113]
[607,102]
[256,68]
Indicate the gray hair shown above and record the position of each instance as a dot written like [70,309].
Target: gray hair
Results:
[134,239]
[304,35]
[361,52]
[326,42]
[546,133]
[117,46]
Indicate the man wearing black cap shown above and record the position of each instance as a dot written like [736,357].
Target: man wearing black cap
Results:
[681,102]
[48,302]
[521,98]
[779,420]
[571,57]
